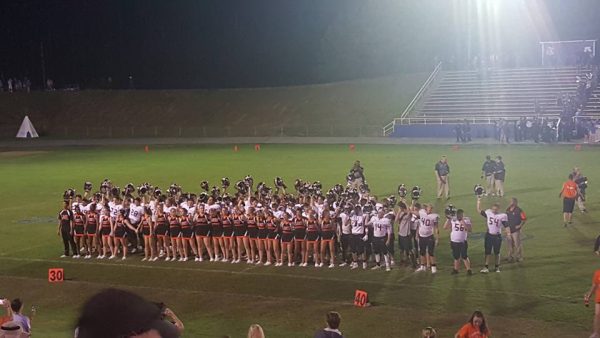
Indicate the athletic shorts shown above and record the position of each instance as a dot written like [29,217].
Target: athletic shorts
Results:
[312,236]
[120,232]
[568,205]
[357,245]
[459,250]
[327,235]
[263,233]
[252,232]
[300,235]
[427,245]
[379,246]
[492,244]
[287,237]
[239,231]
[187,232]
[405,243]
[202,230]
[346,238]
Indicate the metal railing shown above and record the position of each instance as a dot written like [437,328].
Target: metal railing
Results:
[389,128]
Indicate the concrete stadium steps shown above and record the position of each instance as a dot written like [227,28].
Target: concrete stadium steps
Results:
[501,92]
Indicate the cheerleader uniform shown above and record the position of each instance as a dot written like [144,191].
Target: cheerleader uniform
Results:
[202,227]
[312,231]
[216,227]
[92,224]
[287,232]
[120,229]
[327,231]
[145,227]
[105,225]
[186,228]
[78,225]
[174,227]
[252,228]
[262,230]
[299,229]
[239,226]
[227,227]
[161,230]
[272,230]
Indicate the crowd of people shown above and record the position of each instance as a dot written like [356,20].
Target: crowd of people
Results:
[15,84]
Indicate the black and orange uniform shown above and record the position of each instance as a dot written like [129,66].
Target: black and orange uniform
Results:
[227,226]
[287,231]
[252,227]
[145,224]
[92,224]
[202,227]
[299,228]
[312,230]
[65,217]
[161,229]
[187,230]
[79,224]
[105,225]
[272,229]
[239,226]
[120,226]
[327,230]
[174,226]
[262,229]
[216,228]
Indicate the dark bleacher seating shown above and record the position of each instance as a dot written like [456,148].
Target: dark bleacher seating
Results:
[501,93]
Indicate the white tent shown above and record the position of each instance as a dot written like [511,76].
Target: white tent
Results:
[27,130]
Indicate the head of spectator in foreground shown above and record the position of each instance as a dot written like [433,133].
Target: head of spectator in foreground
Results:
[333,320]
[16,305]
[256,331]
[113,313]
[429,332]
[478,321]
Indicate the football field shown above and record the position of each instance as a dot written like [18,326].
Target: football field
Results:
[540,297]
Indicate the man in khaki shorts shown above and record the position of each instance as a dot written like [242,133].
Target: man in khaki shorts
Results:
[516,221]
[442,170]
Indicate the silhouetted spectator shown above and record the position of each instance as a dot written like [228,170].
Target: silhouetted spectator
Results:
[333,324]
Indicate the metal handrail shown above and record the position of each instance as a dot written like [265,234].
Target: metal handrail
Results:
[474,119]
[388,128]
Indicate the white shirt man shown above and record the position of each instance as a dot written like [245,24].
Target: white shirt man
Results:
[493,237]
[428,232]
[382,235]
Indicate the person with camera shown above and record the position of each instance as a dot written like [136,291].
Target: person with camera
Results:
[516,221]
[493,237]
[65,230]
[442,171]
[487,172]
[428,233]
[568,193]
[459,226]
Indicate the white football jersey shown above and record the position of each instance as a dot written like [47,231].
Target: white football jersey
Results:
[381,226]
[459,229]
[428,224]
[495,222]
[114,209]
[358,224]
[346,224]
[135,213]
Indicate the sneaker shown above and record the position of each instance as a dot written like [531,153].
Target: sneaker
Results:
[454,272]
[433,269]
[100,257]
[343,264]
[387,268]
[497,269]
[316,265]
[112,257]
[353,266]
[212,259]
[485,270]
[144,259]
[376,267]
[421,268]
[200,259]
[267,263]
[469,272]
[304,265]
[184,259]
[331,266]
[290,264]
[197,259]
[364,265]
[134,250]
[154,259]
[167,259]
[225,260]
[124,258]
[76,256]
[63,256]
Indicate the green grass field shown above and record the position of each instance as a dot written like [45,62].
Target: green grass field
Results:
[541,297]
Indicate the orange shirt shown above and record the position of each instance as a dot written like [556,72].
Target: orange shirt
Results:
[596,281]
[569,189]
[470,331]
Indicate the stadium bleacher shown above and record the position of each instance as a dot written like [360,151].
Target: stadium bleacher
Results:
[502,93]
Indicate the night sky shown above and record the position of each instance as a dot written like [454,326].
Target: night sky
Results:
[255,43]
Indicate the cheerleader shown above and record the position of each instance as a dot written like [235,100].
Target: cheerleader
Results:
[91,230]
[227,223]
[299,226]
[120,235]
[312,239]
[252,230]
[272,241]
[216,232]
[202,231]
[187,234]
[327,239]
[106,231]
[287,238]
[175,232]
[147,230]
[79,231]
[161,230]
[240,232]
[262,236]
